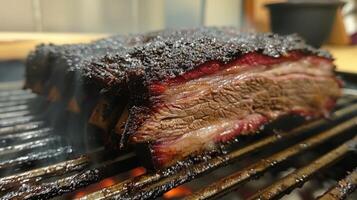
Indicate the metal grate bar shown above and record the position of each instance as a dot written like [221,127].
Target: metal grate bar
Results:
[345,101]
[9,86]
[9,139]
[76,181]
[31,158]
[15,149]
[14,114]
[229,183]
[300,176]
[342,189]
[13,92]
[352,92]
[48,190]
[21,127]
[25,96]
[13,103]
[14,108]
[18,120]
[34,176]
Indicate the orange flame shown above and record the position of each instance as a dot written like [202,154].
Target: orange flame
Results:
[178,192]
[137,171]
[102,184]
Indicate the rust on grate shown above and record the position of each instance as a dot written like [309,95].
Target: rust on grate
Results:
[300,176]
[231,182]
[75,181]
[342,189]
[34,176]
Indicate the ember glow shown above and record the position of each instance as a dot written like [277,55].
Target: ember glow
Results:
[109,182]
[178,192]
[102,184]
[137,171]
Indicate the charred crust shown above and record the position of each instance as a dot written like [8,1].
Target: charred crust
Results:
[49,60]
[171,53]
[137,115]
[158,55]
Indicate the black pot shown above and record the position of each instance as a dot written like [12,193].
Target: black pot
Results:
[312,20]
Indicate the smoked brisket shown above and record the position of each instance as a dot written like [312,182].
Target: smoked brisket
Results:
[188,91]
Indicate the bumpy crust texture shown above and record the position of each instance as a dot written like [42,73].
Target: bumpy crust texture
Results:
[48,59]
[170,53]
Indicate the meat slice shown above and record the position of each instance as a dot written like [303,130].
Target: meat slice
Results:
[215,103]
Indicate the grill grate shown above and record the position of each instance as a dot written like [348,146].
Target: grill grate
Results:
[343,188]
[37,163]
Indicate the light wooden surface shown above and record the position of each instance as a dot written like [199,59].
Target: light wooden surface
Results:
[346,57]
[17,45]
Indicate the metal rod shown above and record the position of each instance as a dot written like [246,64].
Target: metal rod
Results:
[14,114]
[36,157]
[11,85]
[6,140]
[13,103]
[202,168]
[36,175]
[14,149]
[18,97]
[91,159]
[342,189]
[14,108]
[48,190]
[21,127]
[229,183]
[76,181]
[300,176]
[348,91]
[17,121]
[345,101]
[13,92]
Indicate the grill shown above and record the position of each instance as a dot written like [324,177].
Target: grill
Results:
[36,162]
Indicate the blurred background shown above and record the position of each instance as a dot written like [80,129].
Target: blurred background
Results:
[130,16]
[116,16]
[25,23]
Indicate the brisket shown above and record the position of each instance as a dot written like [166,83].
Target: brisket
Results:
[182,93]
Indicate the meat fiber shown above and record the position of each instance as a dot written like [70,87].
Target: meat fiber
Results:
[215,103]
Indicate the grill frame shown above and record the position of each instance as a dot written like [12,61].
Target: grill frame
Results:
[19,115]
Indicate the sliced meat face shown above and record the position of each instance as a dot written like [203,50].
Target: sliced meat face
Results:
[192,116]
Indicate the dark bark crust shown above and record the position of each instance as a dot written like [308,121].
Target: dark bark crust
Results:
[170,53]
[155,55]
